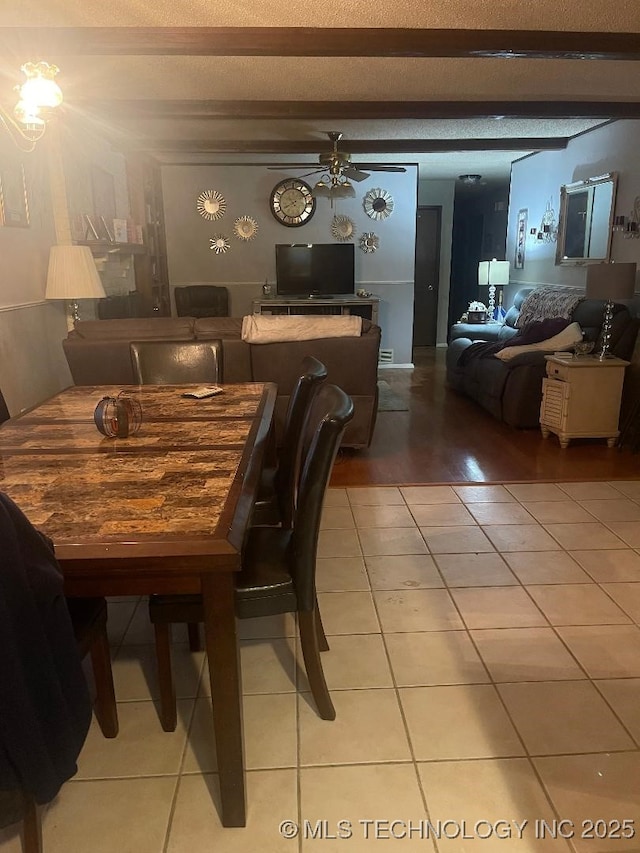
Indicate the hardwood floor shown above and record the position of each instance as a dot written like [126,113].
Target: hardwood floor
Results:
[446,438]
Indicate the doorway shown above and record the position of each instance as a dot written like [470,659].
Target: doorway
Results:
[427,276]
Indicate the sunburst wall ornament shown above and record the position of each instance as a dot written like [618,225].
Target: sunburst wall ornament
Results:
[378,204]
[342,228]
[245,228]
[211,204]
[369,242]
[219,244]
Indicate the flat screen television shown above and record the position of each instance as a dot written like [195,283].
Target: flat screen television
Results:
[315,269]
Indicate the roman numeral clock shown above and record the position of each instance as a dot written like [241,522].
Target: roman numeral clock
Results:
[292,203]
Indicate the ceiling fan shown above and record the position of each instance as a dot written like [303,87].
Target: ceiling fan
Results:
[339,171]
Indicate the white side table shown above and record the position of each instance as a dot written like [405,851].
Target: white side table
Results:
[581,398]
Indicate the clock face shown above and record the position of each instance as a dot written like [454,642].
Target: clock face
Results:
[291,202]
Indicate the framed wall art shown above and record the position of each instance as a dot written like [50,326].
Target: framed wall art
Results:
[521,238]
[14,207]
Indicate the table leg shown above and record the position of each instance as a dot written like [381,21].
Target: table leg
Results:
[224,673]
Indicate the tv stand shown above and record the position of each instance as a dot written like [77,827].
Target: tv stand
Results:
[337,305]
[319,296]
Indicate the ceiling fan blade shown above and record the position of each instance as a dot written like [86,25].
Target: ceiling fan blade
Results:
[295,168]
[355,174]
[378,167]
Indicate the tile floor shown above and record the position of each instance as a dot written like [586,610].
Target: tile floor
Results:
[484,664]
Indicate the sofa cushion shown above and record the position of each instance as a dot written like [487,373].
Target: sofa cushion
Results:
[136,329]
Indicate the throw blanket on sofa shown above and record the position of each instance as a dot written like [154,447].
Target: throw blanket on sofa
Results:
[549,302]
[267,329]
[535,332]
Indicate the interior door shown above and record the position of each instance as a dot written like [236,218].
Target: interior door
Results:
[427,276]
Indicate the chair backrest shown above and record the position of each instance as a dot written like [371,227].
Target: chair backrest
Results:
[331,412]
[4,411]
[202,300]
[313,373]
[176,362]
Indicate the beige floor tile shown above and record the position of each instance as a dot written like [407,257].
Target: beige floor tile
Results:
[503,789]
[270,736]
[391,541]
[466,539]
[142,748]
[592,535]
[576,604]
[337,518]
[266,627]
[268,666]
[416,610]
[605,651]
[613,510]
[537,492]
[368,729]
[458,722]
[563,512]
[11,838]
[140,630]
[475,570]
[438,657]
[589,491]
[628,531]
[628,597]
[525,654]
[624,697]
[404,571]
[478,494]
[353,662]
[360,793]
[395,515]
[336,497]
[338,543]
[102,816]
[595,787]
[348,613]
[119,615]
[374,496]
[500,513]
[614,566]
[429,495]
[497,607]
[337,574]
[135,673]
[630,488]
[563,716]
[271,798]
[546,567]
[520,537]
[441,515]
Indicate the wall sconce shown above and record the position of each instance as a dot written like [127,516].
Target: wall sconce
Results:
[629,225]
[38,94]
[548,231]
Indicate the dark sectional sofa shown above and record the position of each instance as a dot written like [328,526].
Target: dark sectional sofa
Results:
[511,391]
[98,353]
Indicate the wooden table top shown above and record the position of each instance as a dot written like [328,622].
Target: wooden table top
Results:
[171,489]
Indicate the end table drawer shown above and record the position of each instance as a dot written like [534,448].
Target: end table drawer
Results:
[557,371]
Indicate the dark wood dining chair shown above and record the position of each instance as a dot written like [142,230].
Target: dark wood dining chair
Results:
[278,564]
[278,482]
[176,362]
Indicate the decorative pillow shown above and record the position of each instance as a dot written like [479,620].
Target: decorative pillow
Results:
[564,340]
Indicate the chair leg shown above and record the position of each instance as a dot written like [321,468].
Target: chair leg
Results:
[105,708]
[31,827]
[311,653]
[195,642]
[168,712]
[323,643]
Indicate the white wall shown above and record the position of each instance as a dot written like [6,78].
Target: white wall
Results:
[441,194]
[537,179]
[388,273]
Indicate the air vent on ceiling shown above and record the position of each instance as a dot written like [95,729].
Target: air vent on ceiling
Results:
[385,356]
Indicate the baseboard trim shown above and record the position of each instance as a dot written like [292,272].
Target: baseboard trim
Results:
[387,366]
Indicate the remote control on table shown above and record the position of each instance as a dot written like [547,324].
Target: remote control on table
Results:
[204,391]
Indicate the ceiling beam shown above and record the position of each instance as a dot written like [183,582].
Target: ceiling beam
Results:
[359,146]
[209,109]
[56,42]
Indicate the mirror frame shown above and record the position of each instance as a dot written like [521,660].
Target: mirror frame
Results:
[565,193]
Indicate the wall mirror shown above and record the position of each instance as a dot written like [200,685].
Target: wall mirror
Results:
[586,218]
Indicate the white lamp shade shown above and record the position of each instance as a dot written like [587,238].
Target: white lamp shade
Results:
[73,274]
[493,273]
[611,281]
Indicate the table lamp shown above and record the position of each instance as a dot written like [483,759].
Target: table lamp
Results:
[73,275]
[493,273]
[611,282]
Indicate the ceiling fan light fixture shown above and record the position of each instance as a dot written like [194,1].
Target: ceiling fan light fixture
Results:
[344,189]
[470,179]
[321,190]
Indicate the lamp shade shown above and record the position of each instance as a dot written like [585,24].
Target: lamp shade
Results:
[611,281]
[73,274]
[493,272]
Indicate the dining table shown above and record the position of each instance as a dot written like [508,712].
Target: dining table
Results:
[164,510]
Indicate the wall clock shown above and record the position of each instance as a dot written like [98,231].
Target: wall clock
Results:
[291,202]
[245,228]
[378,204]
[369,242]
[342,228]
[219,244]
[211,204]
